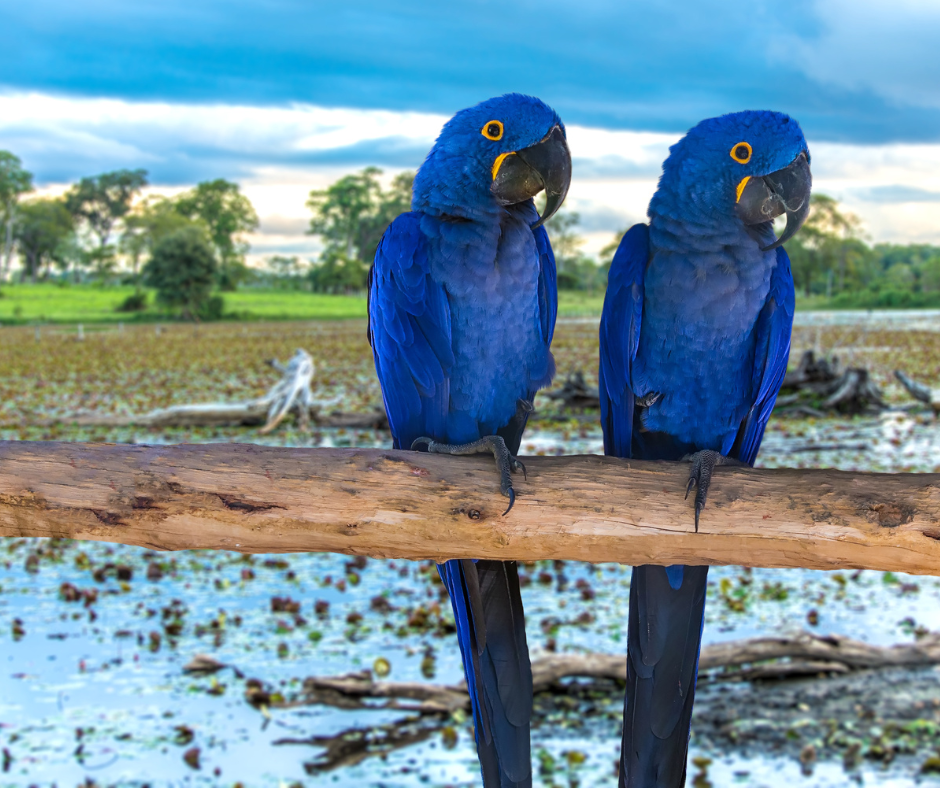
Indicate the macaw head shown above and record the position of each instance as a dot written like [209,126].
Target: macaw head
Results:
[501,152]
[749,167]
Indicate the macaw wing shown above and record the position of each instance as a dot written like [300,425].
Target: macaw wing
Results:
[548,284]
[410,333]
[771,353]
[620,338]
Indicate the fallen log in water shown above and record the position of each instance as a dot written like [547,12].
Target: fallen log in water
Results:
[414,505]
[291,394]
[575,394]
[817,387]
[920,392]
[766,658]
[430,706]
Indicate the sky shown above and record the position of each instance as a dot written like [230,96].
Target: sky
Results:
[287,95]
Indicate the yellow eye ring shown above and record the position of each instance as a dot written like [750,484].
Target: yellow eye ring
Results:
[741,152]
[493,130]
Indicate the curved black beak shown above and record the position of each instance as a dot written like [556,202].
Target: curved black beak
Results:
[785,191]
[520,175]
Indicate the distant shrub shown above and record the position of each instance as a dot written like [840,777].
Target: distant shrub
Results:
[336,273]
[183,270]
[213,309]
[885,299]
[135,302]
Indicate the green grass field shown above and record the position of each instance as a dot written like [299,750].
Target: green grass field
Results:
[52,303]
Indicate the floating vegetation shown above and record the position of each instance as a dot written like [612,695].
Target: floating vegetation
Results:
[122,662]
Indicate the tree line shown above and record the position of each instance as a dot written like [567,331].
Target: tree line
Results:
[185,247]
[191,246]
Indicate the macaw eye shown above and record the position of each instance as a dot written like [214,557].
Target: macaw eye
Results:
[741,153]
[493,130]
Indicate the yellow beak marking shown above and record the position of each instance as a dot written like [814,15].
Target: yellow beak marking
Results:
[740,189]
[499,162]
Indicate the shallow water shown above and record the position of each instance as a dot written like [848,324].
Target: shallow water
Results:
[87,692]
[96,692]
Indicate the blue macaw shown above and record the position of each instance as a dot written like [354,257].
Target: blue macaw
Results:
[462,304]
[694,342]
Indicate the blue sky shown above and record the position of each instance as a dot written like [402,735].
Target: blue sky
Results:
[859,76]
[852,72]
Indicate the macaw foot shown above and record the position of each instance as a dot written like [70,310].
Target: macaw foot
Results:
[491,444]
[700,476]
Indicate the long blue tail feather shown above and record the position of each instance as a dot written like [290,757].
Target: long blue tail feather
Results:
[664,639]
[496,664]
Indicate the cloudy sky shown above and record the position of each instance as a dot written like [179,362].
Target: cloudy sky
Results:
[286,95]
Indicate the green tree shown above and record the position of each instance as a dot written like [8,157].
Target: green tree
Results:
[575,271]
[900,277]
[183,271]
[14,182]
[336,273]
[150,221]
[828,244]
[930,275]
[283,266]
[389,205]
[339,210]
[352,214]
[103,200]
[41,231]
[227,213]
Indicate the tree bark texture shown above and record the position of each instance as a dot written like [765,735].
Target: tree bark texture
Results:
[412,505]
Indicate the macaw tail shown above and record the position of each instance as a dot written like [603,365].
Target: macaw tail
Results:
[491,632]
[667,606]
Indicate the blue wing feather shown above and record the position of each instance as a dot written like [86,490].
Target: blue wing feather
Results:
[548,284]
[772,352]
[411,335]
[620,338]
[667,603]
[410,332]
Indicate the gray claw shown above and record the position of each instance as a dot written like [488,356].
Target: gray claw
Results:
[700,476]
[422,441]
[490,444]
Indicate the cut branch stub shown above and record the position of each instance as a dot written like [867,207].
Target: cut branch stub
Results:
[919,391]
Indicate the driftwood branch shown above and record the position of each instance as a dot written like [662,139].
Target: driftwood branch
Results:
[290,394]
[430,706]
[818,386]
[292,391]
[414,505]
[919,391]
[575,394]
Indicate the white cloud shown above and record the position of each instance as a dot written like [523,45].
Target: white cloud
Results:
[889,49]
[279,154]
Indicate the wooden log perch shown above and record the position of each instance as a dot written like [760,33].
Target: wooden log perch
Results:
[412,505]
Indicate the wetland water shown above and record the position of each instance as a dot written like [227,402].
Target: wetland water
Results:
[94,636]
